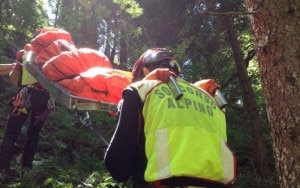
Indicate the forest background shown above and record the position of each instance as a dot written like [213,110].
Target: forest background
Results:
[210,39]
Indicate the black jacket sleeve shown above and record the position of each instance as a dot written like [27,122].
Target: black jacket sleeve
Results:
[127,144]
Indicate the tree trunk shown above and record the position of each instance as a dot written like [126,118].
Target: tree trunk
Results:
[276,27]
[251,114]
[88,27]
[123,50]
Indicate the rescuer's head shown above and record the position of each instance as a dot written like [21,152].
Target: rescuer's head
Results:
[152,59]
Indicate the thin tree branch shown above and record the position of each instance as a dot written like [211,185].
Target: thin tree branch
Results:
[227,13]
[249,57]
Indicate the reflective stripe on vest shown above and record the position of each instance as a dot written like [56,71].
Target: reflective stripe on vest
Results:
[27,78]
[185,137]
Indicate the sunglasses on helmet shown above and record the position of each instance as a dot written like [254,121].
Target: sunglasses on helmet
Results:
[167,63]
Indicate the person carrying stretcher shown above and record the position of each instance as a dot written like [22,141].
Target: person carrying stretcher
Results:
[162,141]
[32,101]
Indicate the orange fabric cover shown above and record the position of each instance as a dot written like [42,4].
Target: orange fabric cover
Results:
[208,85]
[47,29]
[78,87]
[54,49]
[83,72]
[103,84]
[107,79]
[47,36]
[72,63]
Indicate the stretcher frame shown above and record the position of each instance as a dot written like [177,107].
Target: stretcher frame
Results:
[62,95]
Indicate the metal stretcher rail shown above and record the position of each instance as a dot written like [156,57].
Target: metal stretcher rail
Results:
[62,95]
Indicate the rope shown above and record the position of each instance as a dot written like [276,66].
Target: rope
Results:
[85,119]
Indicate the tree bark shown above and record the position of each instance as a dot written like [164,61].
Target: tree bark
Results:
[251,114]
[276,27]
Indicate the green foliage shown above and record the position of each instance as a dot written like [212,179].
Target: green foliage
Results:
[131,7]
[6,92]
[68,156]
[19,21]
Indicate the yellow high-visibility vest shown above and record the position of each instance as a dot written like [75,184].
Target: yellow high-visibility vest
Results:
[27,78]
[185,137]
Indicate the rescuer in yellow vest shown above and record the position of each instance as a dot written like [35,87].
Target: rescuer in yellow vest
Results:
[31,101]
[166,141]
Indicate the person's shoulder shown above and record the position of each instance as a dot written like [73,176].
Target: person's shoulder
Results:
[145,84]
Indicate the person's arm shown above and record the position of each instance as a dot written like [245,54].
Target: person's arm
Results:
[15,74]
[162,74]
[122,154]
[5,69]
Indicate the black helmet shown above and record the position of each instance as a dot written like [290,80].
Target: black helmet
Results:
[153,58]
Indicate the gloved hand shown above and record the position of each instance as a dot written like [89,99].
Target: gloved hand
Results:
[162,74]
[208,85]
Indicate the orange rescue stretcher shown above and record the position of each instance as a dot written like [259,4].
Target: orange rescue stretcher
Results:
[62,95]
